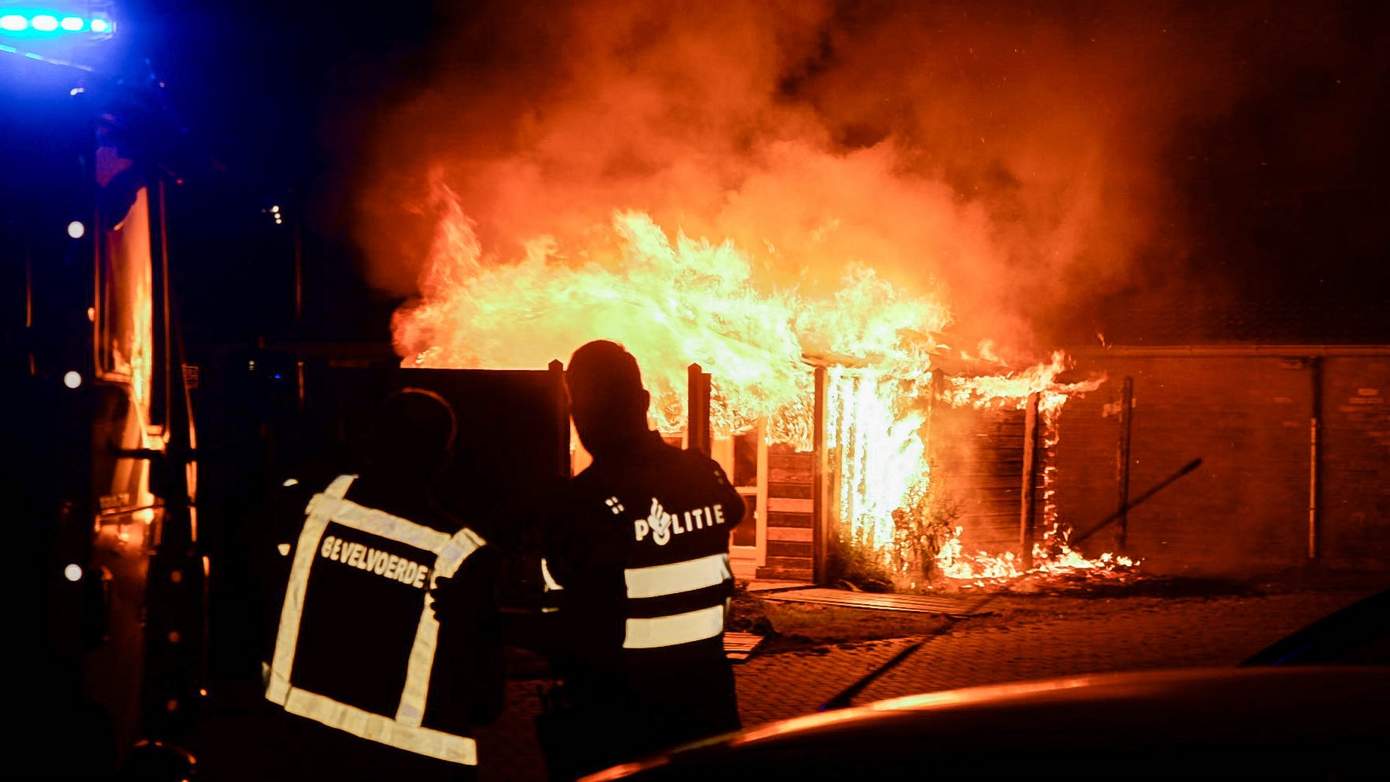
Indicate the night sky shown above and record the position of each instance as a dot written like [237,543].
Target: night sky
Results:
[1271,217]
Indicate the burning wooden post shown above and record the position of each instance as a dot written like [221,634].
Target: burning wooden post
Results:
[697,411]
[1123,458]
[1028,509]
[821,531]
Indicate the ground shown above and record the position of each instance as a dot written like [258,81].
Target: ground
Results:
[814,653]
[817,652]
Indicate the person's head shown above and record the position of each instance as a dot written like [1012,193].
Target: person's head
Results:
[413,434]
[607,399]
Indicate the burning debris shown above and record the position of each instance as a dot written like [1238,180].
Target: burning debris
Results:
[672,302]
[1052,557]
[718,187]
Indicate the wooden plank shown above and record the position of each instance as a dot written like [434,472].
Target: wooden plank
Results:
[797,574]
[790,534]
[789,459]
[784,475]
[798,490]
[790,520]
[774,585]
[789,505]
[789,564]
[920,604]
[781,548]
[740,646]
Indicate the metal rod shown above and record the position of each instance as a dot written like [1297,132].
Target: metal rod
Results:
[1028,505]
[1160,486]
[1126,424]
[1314,458]
[843,698]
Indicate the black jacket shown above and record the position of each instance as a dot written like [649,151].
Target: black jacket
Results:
[651,506]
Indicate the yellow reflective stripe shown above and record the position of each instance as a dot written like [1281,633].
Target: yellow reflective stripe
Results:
[551,585]
[675,629]
[338,489]
[404,732]
[382,524]
[417,673]
[676,577]
[374,727]
[287,637]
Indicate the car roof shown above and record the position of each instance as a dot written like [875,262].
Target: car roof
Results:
[1248,716]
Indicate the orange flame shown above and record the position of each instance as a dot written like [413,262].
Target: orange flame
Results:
[669,302]
[676,300]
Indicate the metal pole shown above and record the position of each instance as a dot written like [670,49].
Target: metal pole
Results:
[1140,500]
[299,383]
[820,533]
[1028,506]
[298,247]
[1314,458]
[1124,461]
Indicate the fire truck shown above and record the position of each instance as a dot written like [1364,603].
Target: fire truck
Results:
[100,426]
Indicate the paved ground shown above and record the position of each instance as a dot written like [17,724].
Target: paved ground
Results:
[1027,638]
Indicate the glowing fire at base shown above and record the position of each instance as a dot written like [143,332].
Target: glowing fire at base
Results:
[1052,556]
[690,300]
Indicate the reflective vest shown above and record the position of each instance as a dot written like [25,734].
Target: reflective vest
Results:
[356,642]
[677,574]
[674,604]
[643,556]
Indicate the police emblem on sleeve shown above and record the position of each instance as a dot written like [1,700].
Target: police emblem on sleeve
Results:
[661,524]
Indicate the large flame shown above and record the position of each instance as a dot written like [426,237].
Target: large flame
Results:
[673,300]
[669,302]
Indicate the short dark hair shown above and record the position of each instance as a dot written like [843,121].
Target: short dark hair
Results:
[604,370]
[415,426]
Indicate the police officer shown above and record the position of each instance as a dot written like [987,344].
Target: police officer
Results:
[374,683]
[641,550]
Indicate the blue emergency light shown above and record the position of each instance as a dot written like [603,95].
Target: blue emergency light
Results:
[49,23]
[53,34]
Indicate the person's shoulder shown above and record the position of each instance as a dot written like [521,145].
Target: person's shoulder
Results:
[589,488]
[587,481]
[696,461]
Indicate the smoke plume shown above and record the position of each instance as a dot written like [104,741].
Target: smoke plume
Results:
[1009,160]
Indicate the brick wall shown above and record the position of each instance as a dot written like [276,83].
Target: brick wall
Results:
[1356,461]
[1247,415]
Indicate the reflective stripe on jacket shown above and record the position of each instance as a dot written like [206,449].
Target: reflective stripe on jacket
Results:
[390,569]
[677,603]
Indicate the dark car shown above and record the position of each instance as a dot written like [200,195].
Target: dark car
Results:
[1313,704]
[1308,722]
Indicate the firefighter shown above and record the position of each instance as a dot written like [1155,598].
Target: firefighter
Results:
[641,549]
[375,683]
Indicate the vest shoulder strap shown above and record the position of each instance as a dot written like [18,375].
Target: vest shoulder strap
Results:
[338,489]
